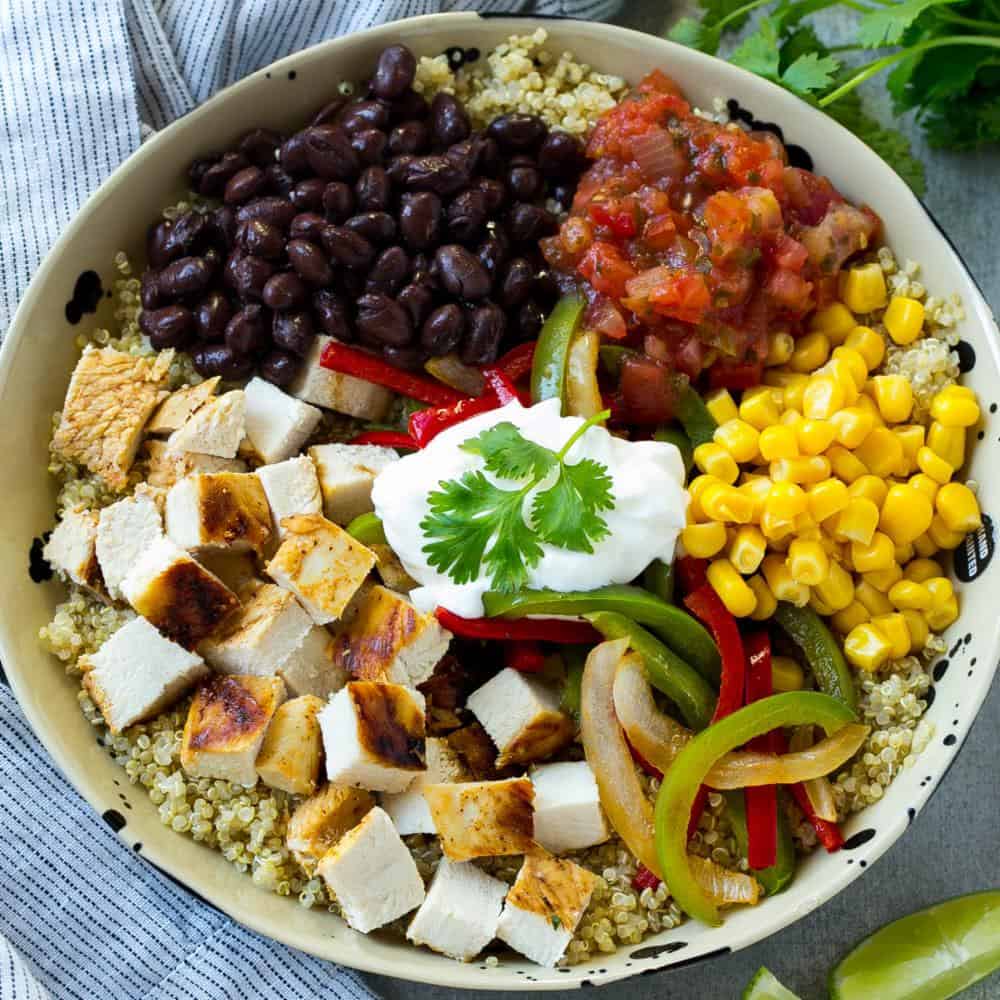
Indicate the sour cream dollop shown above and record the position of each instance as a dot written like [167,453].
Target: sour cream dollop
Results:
[649,511]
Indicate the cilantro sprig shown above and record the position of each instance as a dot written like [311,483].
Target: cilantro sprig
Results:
[475,523]
[944,62]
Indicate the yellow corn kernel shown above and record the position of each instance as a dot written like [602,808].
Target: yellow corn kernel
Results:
[944,605]
[904,319]
[792,385]
[850,617]
[955,408]
[845,464]
[868,344]
[786,501]
[767,604]
[862,288]
[934,466]
[940,588]
[904,553]
[738,438]
[808,469]
[786,674]
[758,488]
[877,554]
[721,405]
[852,425]
[925,546]
[807,562]
[906,514]
[779,349]
[822,398]
[837,590]
[856,522]
[790,418]
[958,507]
[884,579]
[826,498]
[747,549]
[908,594]
[696,488]
[923,569]
[819,605]
[704,540]
[942,536]
[775,529]
[866,403]
[732,589]
[948,442]
[835,321]
[815,436]
[893,627]
[925,484]
[880,451]
[844,375]
[779,441]
[722,502]
[758,407]
[894,396]
[911,437]
[866,647]
[875,602]
[870,487]
[782,584]
[810,352]
[855,363]
[714,460]
[917,626]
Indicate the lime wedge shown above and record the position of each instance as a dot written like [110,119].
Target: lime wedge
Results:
[764,986]
[930,955]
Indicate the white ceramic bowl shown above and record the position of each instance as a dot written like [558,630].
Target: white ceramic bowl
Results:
[39,353]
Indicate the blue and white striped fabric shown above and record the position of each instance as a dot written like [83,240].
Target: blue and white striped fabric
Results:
[80,915]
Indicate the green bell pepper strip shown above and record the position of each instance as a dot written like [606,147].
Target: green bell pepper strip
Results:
[548,367]
[658,579]
[367,529]
[692,765]
[781,873]
[680,440]
[698,423]
[666,671]
[820,648]
[682,633]
[576,660]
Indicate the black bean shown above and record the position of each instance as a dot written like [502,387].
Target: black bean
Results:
[309,262]
[417,299]
[258,145]
[563,194]
[545,288]
[329,152]
[307,226]
[409,104]
[370,145]
[244,185]
[517,283]
[493,252]
[461,273]
[372,190]
[527,223]
[189,234]
[349,282]
[271,208]
[279,180]
[222,227]
[466,155]
[363,115]
[423,267]
[246,332]
[517,131]
[394,72]
[170,326]
[219,359]
[525,182]
[185,276]
[347,247]
[214,179]
[449,121]
[529,320]
[486,327]
[284,291]
[160,249]
[338,201]
[307,195]
[332,314]
[197,170]
[561,155]
[442,330]
[260,238]
[433,173]
[420,219]
[389,272]
[329,112]
[467,215]
[411,137]
[293,331]
[293,156]
[407,358]
[399,167]
[490,160]
[494,192]
[214,259]
[149,290]
[383,320]
[211,315]
[376,227]
[280,367]
[247,275]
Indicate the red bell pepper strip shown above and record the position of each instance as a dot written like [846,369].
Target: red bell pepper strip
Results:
[651,769]
[691,573]
[827,833]
[524,655]
[425,425]
[516,363]
[644,879]
[500,385]
[387,439]
[706,605]
[761,802]
[735,374]
[339,357]
[537,629]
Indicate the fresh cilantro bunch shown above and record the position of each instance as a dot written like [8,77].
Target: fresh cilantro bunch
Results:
[944,61]
[474,523]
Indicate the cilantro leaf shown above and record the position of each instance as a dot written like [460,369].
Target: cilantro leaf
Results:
[567,513]
[759,52]
[885,26]
[810,72]
[514,552]
[696,35]
[509,454]
[965,125]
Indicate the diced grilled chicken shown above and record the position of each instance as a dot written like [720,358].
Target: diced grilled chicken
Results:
[278,425]
[125,530]
[289,757]
[225,727]
[215,428]
[223,510]
[291,487]
[179,406]
[477,750]
[480,819]
[346,474]
[110,397]
[343,393]
[237,570]
[409,810]
[322,819]
[311,669]
[72,550]
[568,813]
[166,466]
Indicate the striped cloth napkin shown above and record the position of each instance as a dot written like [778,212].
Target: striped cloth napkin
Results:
[80,915]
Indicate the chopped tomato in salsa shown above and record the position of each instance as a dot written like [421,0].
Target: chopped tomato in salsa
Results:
[696,239]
